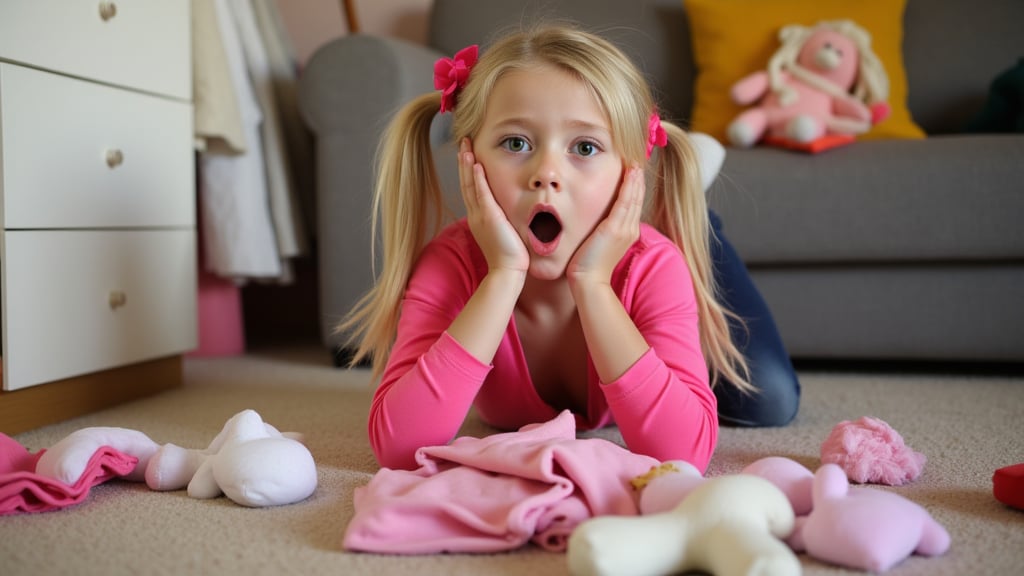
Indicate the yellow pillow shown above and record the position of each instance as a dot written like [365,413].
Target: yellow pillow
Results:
[734,38]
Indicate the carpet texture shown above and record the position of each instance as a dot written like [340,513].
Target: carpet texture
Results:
[966,425]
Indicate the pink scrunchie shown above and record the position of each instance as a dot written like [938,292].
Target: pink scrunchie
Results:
[451,74]
[870,451]
[656,135]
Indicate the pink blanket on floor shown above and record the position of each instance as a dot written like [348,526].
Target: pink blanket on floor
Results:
[22,490]
[496,493]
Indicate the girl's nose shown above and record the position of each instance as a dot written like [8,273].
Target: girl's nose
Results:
[546,174]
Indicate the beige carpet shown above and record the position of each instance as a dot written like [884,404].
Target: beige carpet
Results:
[966,425]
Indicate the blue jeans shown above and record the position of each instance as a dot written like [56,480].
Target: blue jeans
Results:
[778,390]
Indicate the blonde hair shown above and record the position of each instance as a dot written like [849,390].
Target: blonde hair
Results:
[408,191]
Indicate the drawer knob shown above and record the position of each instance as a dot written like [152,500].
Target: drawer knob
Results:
[117,299]
[115,158]
[107,10]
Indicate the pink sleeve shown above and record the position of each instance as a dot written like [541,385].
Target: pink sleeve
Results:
[663,404]
[430,381]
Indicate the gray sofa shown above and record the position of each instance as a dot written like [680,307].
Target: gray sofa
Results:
[882,250]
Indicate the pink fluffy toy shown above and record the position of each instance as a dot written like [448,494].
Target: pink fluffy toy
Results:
[871,452]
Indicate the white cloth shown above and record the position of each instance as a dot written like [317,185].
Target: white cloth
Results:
[283,203]
[218,122]
[238,236]
[298,138]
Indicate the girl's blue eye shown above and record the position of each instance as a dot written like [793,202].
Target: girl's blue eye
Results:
[516,144]
[586,148]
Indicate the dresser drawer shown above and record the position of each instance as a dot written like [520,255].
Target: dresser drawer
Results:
[79,301]
[143,44]
[60,142]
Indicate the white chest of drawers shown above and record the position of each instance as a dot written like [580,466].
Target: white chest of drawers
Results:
[97,186]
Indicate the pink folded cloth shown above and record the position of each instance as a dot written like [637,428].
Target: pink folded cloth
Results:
[496,493]
[22,490]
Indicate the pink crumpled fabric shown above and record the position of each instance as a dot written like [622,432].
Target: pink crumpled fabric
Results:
[871,452]
[22,490]
[496,493]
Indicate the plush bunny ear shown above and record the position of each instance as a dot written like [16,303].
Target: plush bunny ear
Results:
[791,39]
[66,460]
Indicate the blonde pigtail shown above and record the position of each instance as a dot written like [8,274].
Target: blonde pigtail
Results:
[406,193]
[678,208]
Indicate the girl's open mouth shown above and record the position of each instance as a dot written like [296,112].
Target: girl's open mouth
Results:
[545,230]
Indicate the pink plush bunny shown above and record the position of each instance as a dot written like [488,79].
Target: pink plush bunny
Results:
[864,528]
[856,527]
[823,81]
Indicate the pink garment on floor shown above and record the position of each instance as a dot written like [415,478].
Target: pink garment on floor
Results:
[496,493]
[22,490]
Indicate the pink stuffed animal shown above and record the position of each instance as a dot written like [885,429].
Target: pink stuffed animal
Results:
[864,528]
[823,82]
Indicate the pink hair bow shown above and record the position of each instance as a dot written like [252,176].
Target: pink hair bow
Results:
[656,135]
[450,75]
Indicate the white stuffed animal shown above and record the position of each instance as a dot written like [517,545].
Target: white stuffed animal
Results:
[727,526]
[250,462]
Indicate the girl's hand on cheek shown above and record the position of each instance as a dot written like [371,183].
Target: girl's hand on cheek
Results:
[501,245]
[597,257]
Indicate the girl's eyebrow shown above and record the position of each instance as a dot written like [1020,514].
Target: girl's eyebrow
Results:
[575,124]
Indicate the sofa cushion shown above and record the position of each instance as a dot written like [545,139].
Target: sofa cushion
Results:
[734,38]
[942,199]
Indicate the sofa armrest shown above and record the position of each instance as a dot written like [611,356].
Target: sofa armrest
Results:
[358,81]
[349,90]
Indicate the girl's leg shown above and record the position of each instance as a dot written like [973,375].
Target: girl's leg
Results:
[778,390]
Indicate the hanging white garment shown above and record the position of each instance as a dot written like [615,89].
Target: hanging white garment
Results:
[217,121]
[283,204]
[238,235]
[298,138]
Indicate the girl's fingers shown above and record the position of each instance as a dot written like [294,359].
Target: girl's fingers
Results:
[467,184]
[484,198]
[629,205]
[637,198]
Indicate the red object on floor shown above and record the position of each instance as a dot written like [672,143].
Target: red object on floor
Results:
[1008,485]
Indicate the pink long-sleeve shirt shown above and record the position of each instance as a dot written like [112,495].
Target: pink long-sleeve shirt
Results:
[663,404]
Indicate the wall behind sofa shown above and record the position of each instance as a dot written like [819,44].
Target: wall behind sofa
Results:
[313,22]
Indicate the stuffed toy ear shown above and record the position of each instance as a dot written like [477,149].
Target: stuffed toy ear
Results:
[795,480]
[67,459]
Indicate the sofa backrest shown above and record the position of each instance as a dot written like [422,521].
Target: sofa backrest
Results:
[952,49]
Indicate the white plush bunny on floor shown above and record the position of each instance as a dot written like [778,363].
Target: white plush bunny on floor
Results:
[250,462]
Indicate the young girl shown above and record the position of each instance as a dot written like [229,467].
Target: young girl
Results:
[562,288]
